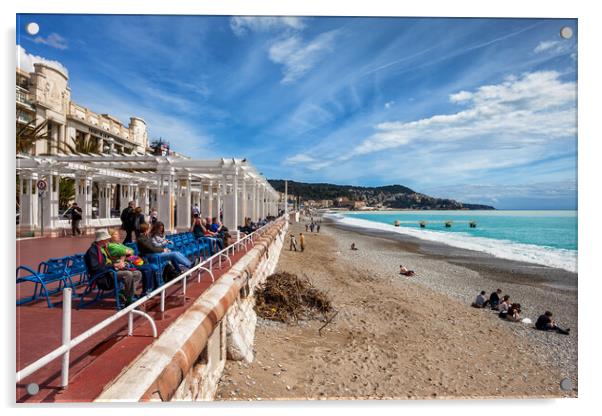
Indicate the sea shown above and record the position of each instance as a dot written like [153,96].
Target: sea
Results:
[541,237]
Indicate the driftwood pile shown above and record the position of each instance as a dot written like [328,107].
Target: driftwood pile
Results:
[287,298]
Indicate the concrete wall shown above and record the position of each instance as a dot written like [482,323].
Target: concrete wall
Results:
[187,360]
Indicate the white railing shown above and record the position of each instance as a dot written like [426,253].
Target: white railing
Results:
[68,344]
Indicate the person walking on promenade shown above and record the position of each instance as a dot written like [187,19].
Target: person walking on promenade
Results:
[127,222]
[312,226]
[76,217]
[318,227]
[306,227]
[293,243]
[99,263]
[302,241]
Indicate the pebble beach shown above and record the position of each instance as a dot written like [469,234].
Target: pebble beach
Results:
[398,337]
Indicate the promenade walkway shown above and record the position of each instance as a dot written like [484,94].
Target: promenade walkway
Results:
[102,357]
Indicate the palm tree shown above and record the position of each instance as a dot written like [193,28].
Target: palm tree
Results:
[81,146]
[66,192]
[29,134]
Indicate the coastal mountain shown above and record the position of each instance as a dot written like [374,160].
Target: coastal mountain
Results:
[389,196]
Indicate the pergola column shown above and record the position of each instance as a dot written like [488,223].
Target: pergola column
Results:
[184,203]
[143,198]
[242,202]
[83,196]
[262,203]
[216,204]
[165,199]
[104,200]
[50,202]
[28,218]
[231,204]
[207,200]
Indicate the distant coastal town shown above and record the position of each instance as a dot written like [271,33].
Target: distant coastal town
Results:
[360,198]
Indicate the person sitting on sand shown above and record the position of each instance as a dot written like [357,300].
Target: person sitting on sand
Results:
[480,300]
[494,300]
[504,306]
[353,247]
[546,323]
[403,270]
[514,312]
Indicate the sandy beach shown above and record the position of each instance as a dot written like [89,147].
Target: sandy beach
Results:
[396,337]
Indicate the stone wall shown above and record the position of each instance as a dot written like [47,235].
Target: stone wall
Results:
[187,360]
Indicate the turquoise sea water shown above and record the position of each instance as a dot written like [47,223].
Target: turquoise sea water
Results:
[544,237]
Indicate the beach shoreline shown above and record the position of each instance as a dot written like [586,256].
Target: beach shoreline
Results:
[408,338]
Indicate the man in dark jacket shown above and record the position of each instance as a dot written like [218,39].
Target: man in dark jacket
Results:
[99,263]
[76,217]
[545,323]
[128,222]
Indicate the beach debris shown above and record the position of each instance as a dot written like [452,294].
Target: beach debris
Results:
[285,297]
[329,320]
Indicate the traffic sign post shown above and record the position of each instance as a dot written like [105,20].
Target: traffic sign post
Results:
[42,185]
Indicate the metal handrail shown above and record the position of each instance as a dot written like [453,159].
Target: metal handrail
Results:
[69,344]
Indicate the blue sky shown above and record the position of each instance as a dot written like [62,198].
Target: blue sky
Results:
[479,110]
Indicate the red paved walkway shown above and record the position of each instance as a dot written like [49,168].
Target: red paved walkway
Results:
[101,358]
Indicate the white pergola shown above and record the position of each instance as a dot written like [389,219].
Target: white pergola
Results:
[232,186]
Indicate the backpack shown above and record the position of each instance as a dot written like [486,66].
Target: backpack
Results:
[170,273]
[105,282]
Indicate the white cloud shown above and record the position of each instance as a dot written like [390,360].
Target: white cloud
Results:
[299,158]
[546,45]
[241,25]
[297,56]
[460,97]
[389,104]
[54,40]
[534,108]
[25,61]
[553,46]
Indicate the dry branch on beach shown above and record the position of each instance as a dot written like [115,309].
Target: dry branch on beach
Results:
[285,297]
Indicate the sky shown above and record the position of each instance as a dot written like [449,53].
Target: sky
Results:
[478,110]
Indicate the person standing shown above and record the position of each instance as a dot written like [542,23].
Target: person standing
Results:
[302,241]
[318,227]
[306,227]
[127,222]
[293,243]
[76,217]
[154,216]
[138,221]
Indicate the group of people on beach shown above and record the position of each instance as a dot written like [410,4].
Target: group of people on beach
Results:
[511,311]
[312,226]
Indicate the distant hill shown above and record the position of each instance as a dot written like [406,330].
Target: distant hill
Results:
[389,196]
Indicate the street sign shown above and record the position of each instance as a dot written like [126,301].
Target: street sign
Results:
[42,185]
[42,193]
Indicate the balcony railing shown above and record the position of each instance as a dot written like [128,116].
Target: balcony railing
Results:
[23,96]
